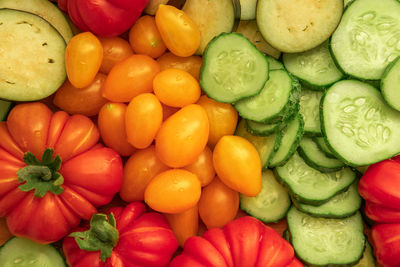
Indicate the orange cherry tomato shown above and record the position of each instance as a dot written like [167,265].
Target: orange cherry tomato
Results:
[139,169]
[178,31]
[145,38]
[218,204]
[203,167]
[183,137]
[238,165]
[168,111]
[173,191]
[184,224]
[86,101]
[115,49]
[130,77]
[176,88]
[223,118]
[83,57]
[190,64]
[111,123]
[143,119]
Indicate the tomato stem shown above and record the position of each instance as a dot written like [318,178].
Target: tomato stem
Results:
[41,176]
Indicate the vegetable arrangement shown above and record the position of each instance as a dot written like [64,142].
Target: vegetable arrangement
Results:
[132,128]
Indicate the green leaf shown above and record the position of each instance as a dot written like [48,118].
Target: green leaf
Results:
[55,165]
[47,156]
[30,159]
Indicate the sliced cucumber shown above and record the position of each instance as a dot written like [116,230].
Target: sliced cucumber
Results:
[311,186]
[340,206]
[232,68]
[5,107]
[250,30]
[266,146]
[262,129]
[368,259]
[390,84]
[207,16]
[315,68]
[320,141]
[291,136]
[32,58]
[321,241]
[316,158]
[45,9]
[271,103]
[274,64]
[365,41]
[309,109]
[271,204]
[23,252]
[358,126]
[297,25]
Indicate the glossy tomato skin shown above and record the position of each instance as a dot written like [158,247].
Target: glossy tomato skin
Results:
[145,239]
[386,243]
[183,136]
[203,167]
[107,18]
[92,174]
[115,49]
[190,64]
[178,31]
[83,57]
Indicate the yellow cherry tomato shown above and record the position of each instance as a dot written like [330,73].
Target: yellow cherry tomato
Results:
[173,191]
[179,33]
[184,224]
[83,57]
[203,167]
[237,163]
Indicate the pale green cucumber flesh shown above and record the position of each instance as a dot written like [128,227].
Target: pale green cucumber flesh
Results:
[309,109]
[390,84]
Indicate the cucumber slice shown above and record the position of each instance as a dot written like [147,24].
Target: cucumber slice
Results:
[315,68]
[368,259]
[320,141]
[311,186]
[365,41]
[309,109]
[232,68]
[5,107]
[321,241]
[297,25]
[271,204]
[390,84]
[46,10]
[316,158]
[266,146]
[357,124]
[274,64]
[262,129]
[291,136]
[33,66]
[207,16]
[340,206]
[23,252]
[271,103]
[250,30]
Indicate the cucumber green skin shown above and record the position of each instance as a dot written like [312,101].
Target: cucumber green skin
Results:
[204,64]
[264,132]
[382,84]
[324,149]
[295,143]
[312,164]
[278,141]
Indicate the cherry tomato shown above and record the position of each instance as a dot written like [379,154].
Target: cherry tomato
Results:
[145,38]
[190,64]
[238,165]
[173,191]
[83,57]
[130,77]
[115,49]
[223,118]
[111,123]
[218,204]
[178,31]
[86,101]
[168,111]
[176,88]
[143,119]
[183,137]
[139,169]
[203,167]
[184,224]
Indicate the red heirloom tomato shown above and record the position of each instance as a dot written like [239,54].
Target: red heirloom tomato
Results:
[125,237]
[52,172]
[105,17]
[243,242]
